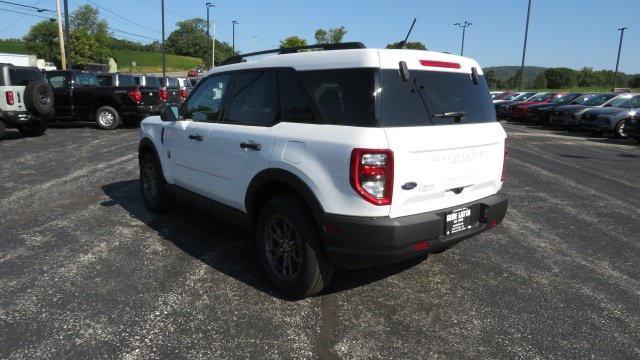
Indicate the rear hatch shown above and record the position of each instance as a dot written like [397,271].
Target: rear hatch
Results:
[150,95]
[441,126]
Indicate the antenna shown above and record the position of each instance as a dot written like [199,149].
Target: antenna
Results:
[404,42]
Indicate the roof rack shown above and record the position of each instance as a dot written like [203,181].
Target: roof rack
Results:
[337,46]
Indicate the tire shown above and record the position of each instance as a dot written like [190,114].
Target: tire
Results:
[620,130]
[38,99]
[2,128]
[310,272]
[33,128]
[153,187]
[107,118]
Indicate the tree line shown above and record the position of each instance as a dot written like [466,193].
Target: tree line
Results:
[565,78]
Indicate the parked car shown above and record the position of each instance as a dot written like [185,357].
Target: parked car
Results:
[26,102]
[611,119]
[116,80]
[633,126]
[502,106]
[295,147]
[520,110]
[494,94]
[148,81]
[172,94]
[568,116]
[540,113]
[80,97]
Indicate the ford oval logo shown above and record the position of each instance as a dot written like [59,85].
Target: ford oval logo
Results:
[408,186]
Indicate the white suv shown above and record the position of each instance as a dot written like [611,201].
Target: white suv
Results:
[347,157]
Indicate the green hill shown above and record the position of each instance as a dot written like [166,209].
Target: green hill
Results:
[146,61]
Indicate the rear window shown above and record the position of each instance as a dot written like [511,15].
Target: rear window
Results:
[105,80]
[152,81]
[343,97]
[173,83]
[21,77]
[126,80]
[433,98]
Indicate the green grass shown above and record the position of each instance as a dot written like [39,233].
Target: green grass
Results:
[13,47]
[152,61]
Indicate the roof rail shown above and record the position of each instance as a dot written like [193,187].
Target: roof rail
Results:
[336,46]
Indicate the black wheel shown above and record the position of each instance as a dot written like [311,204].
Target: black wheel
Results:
[289,248]
[38,98]
[2,128]
[33,128]
[155,194]
[107,118]
[621,130]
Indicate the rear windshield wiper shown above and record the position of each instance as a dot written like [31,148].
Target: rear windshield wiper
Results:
[456,115]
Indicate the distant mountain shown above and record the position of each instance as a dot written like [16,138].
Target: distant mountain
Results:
[505,72]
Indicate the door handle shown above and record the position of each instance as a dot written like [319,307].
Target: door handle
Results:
[196,137]
[251,145]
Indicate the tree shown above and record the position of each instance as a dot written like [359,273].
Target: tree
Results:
[634,81]
[490,77]
[514,81]
[587,77]
[42,40]
[540,82]
[409,45]
[333,36]
[190,38]
[560,78]
[90,39]
[292,41]
[86,19]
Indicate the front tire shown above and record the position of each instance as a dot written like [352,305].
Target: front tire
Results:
[621,130]
[33,128]
[153,187]
[289,248]
[108,118]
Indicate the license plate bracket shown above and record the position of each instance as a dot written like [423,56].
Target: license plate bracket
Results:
[458,220]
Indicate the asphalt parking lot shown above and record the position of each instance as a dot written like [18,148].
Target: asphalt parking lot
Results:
[86,271]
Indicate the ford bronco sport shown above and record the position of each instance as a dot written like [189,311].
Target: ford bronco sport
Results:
[26,100]
[347,157]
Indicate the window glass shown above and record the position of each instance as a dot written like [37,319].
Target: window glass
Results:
[344,97]
[295,105]
[137,78]
[254,98]
[126,80]
[57,81]
[105,80]
[86,79]
[206,101]
[173,83]
[152,81]
[21,77]
[433,98]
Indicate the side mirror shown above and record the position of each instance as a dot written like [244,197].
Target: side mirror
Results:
[404,71]
[170,113]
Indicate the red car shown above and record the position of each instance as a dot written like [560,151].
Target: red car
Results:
[521,110]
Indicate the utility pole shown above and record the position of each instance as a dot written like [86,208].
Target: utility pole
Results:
[164,52]
[66,34]
[233,41]
[213,42]
[464,27]
[615,74]
[524,49]
[63,58]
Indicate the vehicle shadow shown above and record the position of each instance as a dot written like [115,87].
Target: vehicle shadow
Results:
[11,135]
[222,245]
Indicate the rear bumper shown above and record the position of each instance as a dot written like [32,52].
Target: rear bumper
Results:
[141,111]
[11,118]
[359,242]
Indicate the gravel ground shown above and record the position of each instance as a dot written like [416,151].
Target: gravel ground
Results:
[86,271]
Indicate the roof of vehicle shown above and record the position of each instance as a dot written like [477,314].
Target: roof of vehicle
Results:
[359,58]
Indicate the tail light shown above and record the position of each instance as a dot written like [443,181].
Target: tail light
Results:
[9,96]
[371,175]
[505,174]
[183,94]
[164,94]
[135,95]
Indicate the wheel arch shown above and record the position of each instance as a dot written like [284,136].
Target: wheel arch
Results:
[100,100]
[272,182]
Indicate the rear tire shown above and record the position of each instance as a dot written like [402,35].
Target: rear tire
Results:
[620,130]
[153,187]
[107,118]
[289,248]
[33,128]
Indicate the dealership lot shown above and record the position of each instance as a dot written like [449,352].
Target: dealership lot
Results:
[86,270]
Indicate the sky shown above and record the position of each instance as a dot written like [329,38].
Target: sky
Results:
[571,33]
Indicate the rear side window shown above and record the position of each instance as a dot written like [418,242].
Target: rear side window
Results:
[88,79]
[105,80]
[432,97]
[343,97]
[57,81]
[254,99]
[21,77]
[295,104]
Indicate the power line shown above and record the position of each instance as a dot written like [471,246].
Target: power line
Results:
[23,13]
[122,17]
[132,34]
[27,6]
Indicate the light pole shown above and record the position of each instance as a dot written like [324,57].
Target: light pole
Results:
[615,74]
[208,5]
[164,52]
[233,40]
[524,48]
[213,41]
[67,48]
[464,27]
